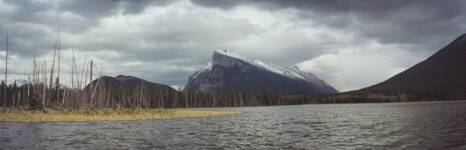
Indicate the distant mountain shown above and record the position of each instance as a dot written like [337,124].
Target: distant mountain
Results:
[228,71]
[122,82]
[441,76]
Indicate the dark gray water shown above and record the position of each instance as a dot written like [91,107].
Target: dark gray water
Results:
[337,126]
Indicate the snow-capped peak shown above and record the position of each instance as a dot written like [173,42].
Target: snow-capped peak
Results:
[229,53]
[230,71]
[227,58]
[289,71]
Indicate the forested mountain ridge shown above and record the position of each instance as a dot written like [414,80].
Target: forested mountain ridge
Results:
[441,76]
[123,82]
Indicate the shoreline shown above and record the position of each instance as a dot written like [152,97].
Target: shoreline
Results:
[30,116]
[407,102]
[83,115]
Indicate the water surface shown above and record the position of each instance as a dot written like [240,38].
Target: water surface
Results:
[331,126]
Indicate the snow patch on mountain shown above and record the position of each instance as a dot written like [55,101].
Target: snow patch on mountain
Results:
[231,54]
[290,72]
[207,67]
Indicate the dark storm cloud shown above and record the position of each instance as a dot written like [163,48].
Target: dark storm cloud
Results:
[429,22]
[74,15]
[99,8]
[39,21]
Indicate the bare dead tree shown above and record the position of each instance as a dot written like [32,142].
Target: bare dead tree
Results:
[6,71]
[58,67]
[44,83]
[58,71]
[91,64]
[53,64]
[73,69]
[90,74]
[34,61]
[93,92]
[28,88]
[83,75]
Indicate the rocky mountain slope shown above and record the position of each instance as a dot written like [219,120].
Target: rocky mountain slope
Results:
[228,71]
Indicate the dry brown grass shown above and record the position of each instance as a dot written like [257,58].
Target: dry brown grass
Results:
[24,116]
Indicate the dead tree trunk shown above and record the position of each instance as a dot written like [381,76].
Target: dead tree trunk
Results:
[6,72]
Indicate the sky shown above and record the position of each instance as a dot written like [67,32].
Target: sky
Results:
[350,44]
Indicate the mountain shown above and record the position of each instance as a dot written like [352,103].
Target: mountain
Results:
[441,76]
[228,71]
[126,83]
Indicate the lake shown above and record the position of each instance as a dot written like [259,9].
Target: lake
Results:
[430,125]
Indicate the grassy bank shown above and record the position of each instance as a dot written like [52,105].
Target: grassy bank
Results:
[25,116]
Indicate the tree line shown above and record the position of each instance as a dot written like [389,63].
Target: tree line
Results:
[38,96]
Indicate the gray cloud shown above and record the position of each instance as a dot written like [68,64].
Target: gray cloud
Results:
[39,21]
[388,21]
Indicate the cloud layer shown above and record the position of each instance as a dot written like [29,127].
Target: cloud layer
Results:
[350,44]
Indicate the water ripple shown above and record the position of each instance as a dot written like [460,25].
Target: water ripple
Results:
[340,126]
